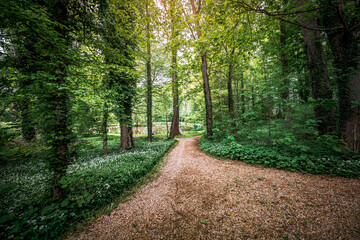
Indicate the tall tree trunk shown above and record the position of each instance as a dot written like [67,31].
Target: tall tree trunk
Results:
[219,96]
[175,126]
[269,107]
[126,128]
[252,99]
[242,97]
[204,71]
[166,118]
[285,70]
[344,43]
[61,130]
[230,96]
[148,78]
[320,82]
[207,93]
[175,123]
[104,128]
[237,93]
[57,128]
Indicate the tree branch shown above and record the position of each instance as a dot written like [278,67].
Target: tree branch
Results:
[277,16]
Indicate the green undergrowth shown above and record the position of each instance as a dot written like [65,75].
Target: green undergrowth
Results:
[92,182]
[310,156]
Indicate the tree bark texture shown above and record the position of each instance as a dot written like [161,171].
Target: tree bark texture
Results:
[320,82]
[104,128]
[207,94]
[58,127]
[344,43]
[126,135]
[175,130]
[126,123]
[242,97]
[148,78]
[204,71]
[175,123]
[230,91]
[285,70]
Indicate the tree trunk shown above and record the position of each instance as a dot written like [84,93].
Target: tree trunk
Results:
[204,70]
[149,81]
[126,126]
[320,82]
[352,129]
[104,128]
[126,135]
[58,129]
[344,43]
[285,71]
[242,97]
[175,125]
[167,125]
[175,130]
[252,99]
[207,93]
[230,96]
[219,97]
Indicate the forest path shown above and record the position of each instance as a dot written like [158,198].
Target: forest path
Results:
[200,197]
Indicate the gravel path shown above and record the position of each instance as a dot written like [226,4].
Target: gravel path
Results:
[199,197]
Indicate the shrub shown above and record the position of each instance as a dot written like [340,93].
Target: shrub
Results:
[312,156]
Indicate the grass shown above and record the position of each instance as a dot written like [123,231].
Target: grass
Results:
[92,182]
[190,134]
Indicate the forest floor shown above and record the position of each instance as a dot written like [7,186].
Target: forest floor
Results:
[201,197]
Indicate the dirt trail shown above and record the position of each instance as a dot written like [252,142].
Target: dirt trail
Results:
[199,197]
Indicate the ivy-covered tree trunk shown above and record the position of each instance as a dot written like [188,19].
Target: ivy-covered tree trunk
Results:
[285,72]
[343,34]
[61,130]
[148,78]
[57,129]
[320,82]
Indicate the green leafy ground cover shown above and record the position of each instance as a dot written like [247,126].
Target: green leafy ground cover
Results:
[315,156]
[93,181]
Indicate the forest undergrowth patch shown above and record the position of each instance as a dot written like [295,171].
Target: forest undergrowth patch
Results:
[310,157]
[92,182]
